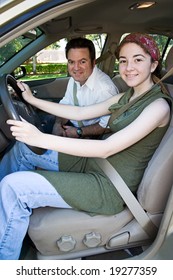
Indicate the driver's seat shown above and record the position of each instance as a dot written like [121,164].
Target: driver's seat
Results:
[70,234]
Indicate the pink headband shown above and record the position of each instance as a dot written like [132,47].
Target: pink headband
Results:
[145,41]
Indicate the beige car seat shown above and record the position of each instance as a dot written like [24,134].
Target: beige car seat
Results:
[70,234]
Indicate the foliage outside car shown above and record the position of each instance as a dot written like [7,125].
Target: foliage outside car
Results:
[43,70]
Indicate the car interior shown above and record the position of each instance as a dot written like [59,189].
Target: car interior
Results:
[140,229]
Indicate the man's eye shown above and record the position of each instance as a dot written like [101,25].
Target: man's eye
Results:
[83,61]
[70,62]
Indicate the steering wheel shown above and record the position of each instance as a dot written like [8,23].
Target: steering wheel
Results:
[15,106]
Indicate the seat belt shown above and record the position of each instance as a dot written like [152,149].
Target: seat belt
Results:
[128,197]
[76,102]
[126,194]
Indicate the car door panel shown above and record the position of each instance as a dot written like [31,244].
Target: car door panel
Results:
[49,89]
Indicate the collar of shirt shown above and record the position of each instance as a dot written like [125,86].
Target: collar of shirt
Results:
[90,82]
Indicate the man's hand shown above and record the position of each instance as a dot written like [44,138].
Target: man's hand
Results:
[70,131]
[58,129]
[61,129]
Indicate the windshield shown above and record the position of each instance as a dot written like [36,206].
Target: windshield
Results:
[16,45]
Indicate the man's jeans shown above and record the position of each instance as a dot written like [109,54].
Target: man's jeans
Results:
[21,192]
[21,158]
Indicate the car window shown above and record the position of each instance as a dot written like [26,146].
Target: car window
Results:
[51,62]
[16,45]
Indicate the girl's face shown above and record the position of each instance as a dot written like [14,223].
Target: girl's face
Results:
[135,67]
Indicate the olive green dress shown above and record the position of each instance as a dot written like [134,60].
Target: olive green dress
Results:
[81,182]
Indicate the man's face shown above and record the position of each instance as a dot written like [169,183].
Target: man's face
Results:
[80,66]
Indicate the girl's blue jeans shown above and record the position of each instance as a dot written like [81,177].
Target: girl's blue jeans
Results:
[20,192]
[21,158]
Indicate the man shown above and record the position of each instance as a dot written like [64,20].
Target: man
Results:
[87,85]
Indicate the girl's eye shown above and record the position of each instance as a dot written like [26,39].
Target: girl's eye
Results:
[122,61]
[138,60]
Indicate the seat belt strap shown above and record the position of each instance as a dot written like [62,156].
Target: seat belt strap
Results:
[76,103]
[128,197]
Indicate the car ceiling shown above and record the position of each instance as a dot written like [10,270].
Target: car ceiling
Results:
[114,16]
[78,17]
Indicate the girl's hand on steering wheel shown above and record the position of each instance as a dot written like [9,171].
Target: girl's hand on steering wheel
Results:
[26,92]
[25,132]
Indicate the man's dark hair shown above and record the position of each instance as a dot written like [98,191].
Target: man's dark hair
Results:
[81,43]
